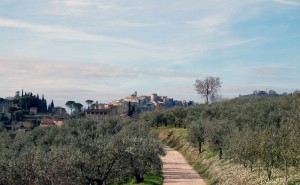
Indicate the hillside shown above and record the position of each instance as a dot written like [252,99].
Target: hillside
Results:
[242,140]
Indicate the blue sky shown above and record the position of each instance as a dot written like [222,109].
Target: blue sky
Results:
[106,50]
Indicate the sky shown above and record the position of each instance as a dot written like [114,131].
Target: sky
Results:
[105,50]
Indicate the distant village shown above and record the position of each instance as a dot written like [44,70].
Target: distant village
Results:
[133,105]
[26,111]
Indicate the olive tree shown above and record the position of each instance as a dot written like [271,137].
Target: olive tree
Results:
[196,134]
[142,150]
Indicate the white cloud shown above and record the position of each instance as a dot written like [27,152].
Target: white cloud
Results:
[64,33]
[279,72]
[288,2]
[239,42]
[126,23]
[54,70]
[210,24]
[93,8]
[74,3]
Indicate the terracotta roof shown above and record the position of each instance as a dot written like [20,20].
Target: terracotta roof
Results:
[47,122]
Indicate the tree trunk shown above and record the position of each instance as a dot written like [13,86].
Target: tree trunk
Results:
[99,182]
[269,173]
[207,99]
[259,171]
[286,171]
[220,152]
[92,181]
[244,164]
[200,147]
[139,178]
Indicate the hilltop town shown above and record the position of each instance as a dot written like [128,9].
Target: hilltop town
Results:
[26,111]
[133,105]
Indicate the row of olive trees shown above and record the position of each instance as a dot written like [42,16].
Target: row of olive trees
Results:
[267,148]
[262,132]
[80,152]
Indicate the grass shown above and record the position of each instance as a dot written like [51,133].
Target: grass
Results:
[221,172]
[149,179]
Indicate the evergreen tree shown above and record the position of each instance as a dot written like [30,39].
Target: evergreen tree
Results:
[52,104]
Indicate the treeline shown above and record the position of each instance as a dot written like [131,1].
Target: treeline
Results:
[26,100]
[262,133]
[80,152]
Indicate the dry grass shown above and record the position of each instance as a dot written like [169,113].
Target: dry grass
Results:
[222,172]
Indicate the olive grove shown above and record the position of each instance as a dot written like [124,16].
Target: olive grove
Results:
[261,133]
[80,152]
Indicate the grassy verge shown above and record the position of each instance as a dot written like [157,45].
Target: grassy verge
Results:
[221,172]
[150,179]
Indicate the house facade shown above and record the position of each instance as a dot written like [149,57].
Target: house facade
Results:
[33,110]
[97,113]
[59,111]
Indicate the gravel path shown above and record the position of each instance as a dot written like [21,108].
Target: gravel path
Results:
[177,171]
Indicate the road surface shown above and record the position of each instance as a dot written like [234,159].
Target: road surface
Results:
[177,171]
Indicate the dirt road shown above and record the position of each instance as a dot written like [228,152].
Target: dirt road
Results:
[177,171]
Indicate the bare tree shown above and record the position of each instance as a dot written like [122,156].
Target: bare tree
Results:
[208,88]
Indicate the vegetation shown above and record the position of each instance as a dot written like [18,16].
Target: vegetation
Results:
[89,103]
[259,133]
[259,137]
[208,88]
[27,100]
[80,152]
[71,105]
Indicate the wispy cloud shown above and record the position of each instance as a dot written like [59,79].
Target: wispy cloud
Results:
[239,42]
[67,70]
[93,8]
[289,2]
[75,3]
[127,23]
[210,24]
[64,33]
[276,72]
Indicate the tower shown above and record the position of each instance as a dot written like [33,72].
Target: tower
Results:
[153,97]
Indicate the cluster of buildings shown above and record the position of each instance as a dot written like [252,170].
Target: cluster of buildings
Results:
[128,106]
[148,103]
[29,118]
[134,102]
